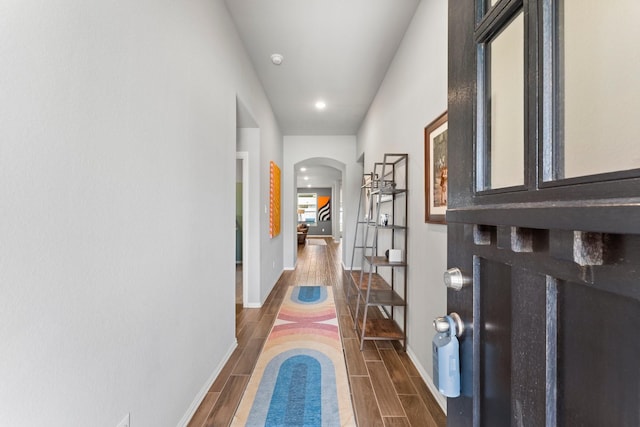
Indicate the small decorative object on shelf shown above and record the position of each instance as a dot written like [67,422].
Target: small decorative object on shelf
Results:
[395,255]
[388,184]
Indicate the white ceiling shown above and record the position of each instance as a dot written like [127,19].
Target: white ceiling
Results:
[335,50]
[317,176]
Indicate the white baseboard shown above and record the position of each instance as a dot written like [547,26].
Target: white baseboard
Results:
[442,401]
[289,268]
[346,268]
[203,392]
[253,305]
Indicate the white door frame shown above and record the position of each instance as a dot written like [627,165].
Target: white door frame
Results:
[243,156]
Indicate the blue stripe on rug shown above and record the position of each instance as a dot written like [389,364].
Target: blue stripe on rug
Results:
[280,386]
[296,400]
[309,294]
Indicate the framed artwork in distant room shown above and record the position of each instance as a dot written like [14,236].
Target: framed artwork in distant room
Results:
[324,208]
[436,169]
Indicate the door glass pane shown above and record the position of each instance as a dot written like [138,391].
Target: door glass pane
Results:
[506,132]
[601,85]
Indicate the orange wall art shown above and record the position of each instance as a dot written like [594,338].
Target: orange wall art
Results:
[274,201]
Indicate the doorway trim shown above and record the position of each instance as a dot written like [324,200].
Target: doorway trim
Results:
[243,156]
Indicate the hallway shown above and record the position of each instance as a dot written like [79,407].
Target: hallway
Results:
[387,390]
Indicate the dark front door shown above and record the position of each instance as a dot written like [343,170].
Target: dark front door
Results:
[544,212]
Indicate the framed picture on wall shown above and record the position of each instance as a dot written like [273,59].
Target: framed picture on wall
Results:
[436,169]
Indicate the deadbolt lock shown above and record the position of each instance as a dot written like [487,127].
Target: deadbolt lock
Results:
[455,279]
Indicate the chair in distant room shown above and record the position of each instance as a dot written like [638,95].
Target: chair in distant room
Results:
[303,229]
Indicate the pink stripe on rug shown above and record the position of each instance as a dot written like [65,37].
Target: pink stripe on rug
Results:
[293,329]
[306,319]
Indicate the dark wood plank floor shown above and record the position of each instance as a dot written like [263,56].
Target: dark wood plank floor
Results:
[386,388]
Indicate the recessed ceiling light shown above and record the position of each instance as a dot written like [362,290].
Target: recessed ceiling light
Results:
[277,59]
[306,178]
[308,185]
[321,105]
[303,169]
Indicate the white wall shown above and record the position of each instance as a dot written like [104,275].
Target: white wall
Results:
[413,93]
[117,148]
[339,151]
[336,202]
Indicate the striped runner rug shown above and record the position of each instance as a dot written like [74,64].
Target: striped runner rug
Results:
[300,378]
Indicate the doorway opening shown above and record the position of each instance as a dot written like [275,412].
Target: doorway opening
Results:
[242,182]
[247,197]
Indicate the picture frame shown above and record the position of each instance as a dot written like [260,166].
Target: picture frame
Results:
[436,169]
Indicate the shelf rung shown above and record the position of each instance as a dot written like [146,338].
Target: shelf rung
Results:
[381,329]
[381,261]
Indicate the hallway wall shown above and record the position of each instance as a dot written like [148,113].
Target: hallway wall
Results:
[413,93]
[117,158]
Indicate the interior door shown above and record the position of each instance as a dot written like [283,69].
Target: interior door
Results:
[545,224]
